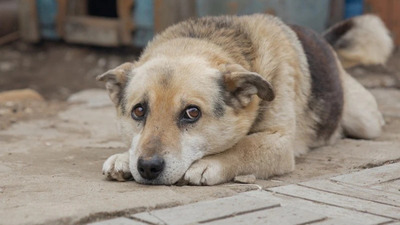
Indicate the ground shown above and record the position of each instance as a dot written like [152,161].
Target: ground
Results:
[52,151]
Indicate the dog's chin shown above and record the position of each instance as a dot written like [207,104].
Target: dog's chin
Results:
[161,180]
[172,174]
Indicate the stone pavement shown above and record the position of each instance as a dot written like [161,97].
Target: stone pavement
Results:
[370,196]
[50,173]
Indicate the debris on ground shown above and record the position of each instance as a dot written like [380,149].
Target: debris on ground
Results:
[245,179]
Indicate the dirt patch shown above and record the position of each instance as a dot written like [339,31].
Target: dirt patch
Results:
[56,69]
[11,112]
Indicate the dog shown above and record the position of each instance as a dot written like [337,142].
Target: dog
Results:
[217,97]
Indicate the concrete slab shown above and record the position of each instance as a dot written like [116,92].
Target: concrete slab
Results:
[118,221]
[371,176]
[279,215]
[50,169]
[342,201]
[354,190]
[205,211]
[313,202]
[352,216]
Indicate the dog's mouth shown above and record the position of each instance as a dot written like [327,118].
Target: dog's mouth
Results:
[181,182]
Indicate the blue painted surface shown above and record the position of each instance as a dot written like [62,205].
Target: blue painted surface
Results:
[143,17]
[310,13]
[353,8]
[47,12]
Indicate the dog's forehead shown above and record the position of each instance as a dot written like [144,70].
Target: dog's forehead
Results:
[172,77]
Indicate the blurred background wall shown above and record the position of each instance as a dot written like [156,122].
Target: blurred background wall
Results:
[134,22]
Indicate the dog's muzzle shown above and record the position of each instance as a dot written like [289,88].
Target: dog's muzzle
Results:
[150,167]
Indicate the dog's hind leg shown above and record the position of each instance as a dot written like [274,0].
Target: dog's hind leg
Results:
[361,116]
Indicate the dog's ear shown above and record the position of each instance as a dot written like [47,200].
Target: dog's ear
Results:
[116,80]
[242,84]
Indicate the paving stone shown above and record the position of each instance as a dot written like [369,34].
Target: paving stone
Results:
[355,191]
[371,176]
[330,221]
[332,212]
[118,221]
[339,200]
[273,216]
[390,186]
[206,210]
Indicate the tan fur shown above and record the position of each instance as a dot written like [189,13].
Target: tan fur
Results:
[250,78]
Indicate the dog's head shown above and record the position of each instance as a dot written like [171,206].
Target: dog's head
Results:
[176,111]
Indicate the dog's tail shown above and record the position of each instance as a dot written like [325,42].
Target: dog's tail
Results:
[361,40]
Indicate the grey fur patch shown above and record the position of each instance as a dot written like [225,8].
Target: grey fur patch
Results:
[263,107]
[121,96]
[227,97]
[223,31]
[326,99]
[219,109]
[122,100]
[167,74]
[219,103]
[334,35]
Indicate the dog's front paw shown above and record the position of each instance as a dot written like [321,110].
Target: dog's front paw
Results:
[206,172]
[116,167]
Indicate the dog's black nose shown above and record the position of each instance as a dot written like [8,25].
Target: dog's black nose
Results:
[150,168]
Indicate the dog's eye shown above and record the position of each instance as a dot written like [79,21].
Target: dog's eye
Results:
[191,114]
[138,112]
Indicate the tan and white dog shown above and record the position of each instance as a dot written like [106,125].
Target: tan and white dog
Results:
[217,97]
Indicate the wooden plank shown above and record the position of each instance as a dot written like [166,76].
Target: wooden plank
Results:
[339,200]
[388,11]
[278,215]
[336,12]
[396,21]
[92,30]
[124,10]
[28,21]
[354,191]
[61,17]
[168,12]
[371,176]
[77,7]
[379,7]
[333,212]
[9,38]
[206,210]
